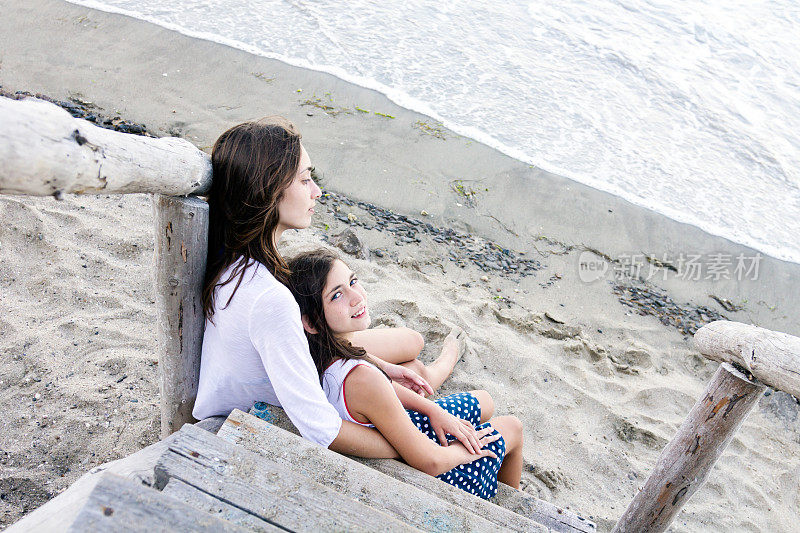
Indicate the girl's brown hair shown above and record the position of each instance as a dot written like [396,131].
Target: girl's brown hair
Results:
[253,164]
[309,272]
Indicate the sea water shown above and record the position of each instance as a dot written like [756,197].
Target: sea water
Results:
[691,109]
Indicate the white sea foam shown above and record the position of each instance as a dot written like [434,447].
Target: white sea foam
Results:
[688,109]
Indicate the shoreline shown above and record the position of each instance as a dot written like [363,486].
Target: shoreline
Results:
[411,104]
[544,343]
[375,158]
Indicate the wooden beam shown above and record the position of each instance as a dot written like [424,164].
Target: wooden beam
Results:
[45,151]
[686,461]
[117,504]
[180,263]
[770,356]
[258,485]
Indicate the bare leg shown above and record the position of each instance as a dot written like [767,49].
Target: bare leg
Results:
[511,429]
[437,372]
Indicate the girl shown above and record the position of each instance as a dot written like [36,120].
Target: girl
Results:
[254,348]
[334,310]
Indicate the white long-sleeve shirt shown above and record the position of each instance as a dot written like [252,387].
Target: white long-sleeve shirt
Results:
[256,350]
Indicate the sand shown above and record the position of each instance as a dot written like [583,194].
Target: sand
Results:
[600,389]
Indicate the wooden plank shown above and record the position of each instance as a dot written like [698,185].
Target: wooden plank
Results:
[523,505]
[541,511]
[117,504]
[772,357]
[375,489]
[181,247]
[262,487]
[45,151]
[685,462]
[209,504]
[61,510]
[528,506]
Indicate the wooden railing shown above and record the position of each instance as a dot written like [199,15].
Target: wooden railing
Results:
[45,151]
[751,359]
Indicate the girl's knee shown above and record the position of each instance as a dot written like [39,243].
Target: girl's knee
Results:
[486,402]
[510,427]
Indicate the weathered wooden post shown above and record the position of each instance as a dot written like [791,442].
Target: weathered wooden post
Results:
[686,461]
[181,226]
[771,358]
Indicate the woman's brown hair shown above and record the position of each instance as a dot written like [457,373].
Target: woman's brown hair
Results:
[309,272]
[253,164]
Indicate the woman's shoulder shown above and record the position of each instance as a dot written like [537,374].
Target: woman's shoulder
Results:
[256,279]
[256,290]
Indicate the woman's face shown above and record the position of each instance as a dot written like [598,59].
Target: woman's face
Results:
[297,204]
[344,301]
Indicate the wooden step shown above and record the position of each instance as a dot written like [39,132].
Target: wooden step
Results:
[537,510]
[273,492]
[520,503]
[404,501]
[62,510]
[119,504]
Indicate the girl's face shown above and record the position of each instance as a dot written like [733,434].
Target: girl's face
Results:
[297,203]
[344,301]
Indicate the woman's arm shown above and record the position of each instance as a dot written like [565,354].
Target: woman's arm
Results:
[402,375]
[395,345]
[372,396]
[361,441]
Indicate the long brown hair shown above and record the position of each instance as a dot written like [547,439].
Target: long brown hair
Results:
[253,164]
[309,272]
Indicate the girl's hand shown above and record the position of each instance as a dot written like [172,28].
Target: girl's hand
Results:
[484,439]
[443,423]
[407,378]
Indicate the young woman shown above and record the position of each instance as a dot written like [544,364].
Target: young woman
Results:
[334,311]
[254,347]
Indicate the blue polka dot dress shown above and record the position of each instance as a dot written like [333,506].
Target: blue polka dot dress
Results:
[480,476]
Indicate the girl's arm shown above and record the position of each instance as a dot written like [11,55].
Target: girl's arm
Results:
[395,345]
[371,395]
[402,375]
[441,421]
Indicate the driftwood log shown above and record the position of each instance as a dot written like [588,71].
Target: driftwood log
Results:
[181,226]
[45,151]
[686,461]
[770,356]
